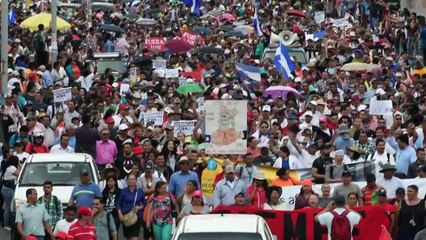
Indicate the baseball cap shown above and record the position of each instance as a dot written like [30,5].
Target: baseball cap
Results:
[123,107]
[266,108]
[61,235]
[149,168]
[197,193]
[346,173]
[84,211]
[84,172]
[109,120]
[381,192]
[241,194]
[183,159]
[122,127]
[306,182]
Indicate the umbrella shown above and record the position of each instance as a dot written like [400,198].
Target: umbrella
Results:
[280,91]
[355,66]
[103,6]
[132,16]
[111,28]
[154,11]
[189,88]
[202,30]
[211,50]
[177,46]
[226,17]
[225,28]
[146,21]
[234,34]
[246,29]
[45,19]
[142,60]
[296,13]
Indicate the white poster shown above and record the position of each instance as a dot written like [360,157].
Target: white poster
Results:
[133,74]
[226,127]
[159,64]
[340,22]
[200,104]
[319,17]
[184,126]
[172,73]
[124,89]
[156,117]
[62,95]
[182,80]
[380,107]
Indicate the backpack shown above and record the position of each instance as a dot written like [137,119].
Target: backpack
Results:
[38,42]
[340,226]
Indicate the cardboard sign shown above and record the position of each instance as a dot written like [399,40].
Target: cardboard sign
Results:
[62,95]
[133,74]
[159,64]
[124,89]
[156,117]
[184,126]
[189,37]
[155,43]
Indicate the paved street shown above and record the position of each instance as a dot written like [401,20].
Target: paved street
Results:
[4,235]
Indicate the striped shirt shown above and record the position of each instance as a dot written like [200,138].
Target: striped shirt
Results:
[79,232]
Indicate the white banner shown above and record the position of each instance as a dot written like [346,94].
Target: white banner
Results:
[340,22]
[124,89]
[62,95]
[133,74]
[200,103]
[159,64]
[319,17]
[184,126]
[226,127]
[156,117]
[380,107]
[289,194]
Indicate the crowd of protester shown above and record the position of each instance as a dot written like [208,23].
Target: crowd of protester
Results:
[155,172]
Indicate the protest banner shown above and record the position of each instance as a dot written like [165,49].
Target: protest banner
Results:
[339,22]
[124,89]
[380,107]
[226,127]
[62,95]
[133,74]
[155,43]
[189,37]
[181,80]
[184,126]
[172,73]
[159,64]
[300,224]
[156,117]
[200,104]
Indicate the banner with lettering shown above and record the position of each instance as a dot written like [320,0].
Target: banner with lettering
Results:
[155,43]
[226,127]
[300,224]
[155,117]
[62,94]
[189,37]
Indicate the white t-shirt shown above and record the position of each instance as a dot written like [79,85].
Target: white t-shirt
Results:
[63,226]
[383,158]
[8,174]
[390,185]
[327,218]
[59,149]
[22,156]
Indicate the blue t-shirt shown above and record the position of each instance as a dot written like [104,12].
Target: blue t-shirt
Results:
[83,194]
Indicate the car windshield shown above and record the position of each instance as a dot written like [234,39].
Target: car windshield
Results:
[217,236]
[116,65]
[63,173]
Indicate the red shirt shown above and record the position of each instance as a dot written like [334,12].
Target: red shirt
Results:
[78,232]
[32,148]
[367,193]
[259,196]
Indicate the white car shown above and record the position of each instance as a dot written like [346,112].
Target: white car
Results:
[63,170]
[223,226]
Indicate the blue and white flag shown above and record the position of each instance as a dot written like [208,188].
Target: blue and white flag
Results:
[194,4]
[12,17]
[256,25]
[283,62]
[247,71]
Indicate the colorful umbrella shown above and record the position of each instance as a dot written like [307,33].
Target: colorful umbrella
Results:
[280,91]
[296,13]
[177,46]
[355,66]
[189,88]
[45,19]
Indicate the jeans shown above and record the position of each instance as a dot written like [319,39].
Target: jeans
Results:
[163,232]
[7,194]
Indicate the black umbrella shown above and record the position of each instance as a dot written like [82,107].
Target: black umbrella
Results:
[111,28]
[132,16]
[142,60]
[202,30]
[153,11]
[211,50]
[225,28]
[234,34]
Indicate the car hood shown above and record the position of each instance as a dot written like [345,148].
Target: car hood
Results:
[63,193]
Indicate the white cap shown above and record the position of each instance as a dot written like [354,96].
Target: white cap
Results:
[380,91]
[398,74]
[266,108]
[339,153]
[122,127]
[298,79]
[308,113]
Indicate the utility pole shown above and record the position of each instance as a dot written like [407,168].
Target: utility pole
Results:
[4,44]
[53,25]
[89,13]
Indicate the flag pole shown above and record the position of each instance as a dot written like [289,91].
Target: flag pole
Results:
[4,44]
